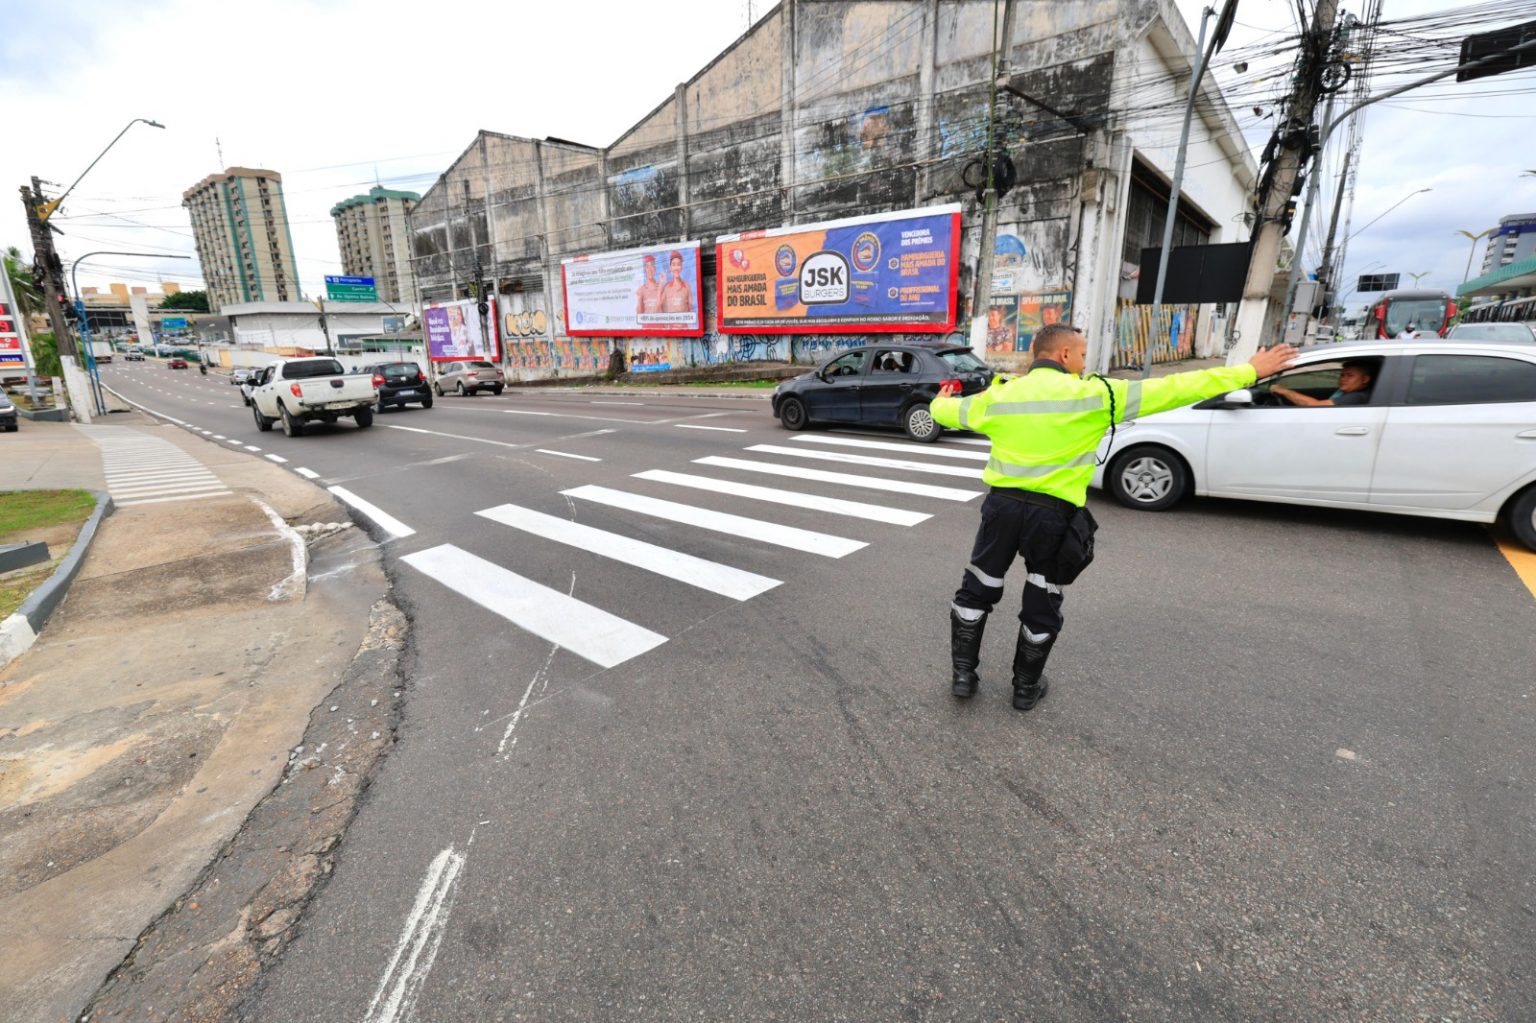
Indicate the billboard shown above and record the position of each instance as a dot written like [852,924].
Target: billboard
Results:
[892,272]
[10,339]
[1378,282]
[173,323]
[649,292]
[454,332]
[1197,274]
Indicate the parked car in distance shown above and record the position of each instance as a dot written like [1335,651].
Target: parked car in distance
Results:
[134,357]
[1447,430]
[239,375]
[177,364]
[880,385]
[1518,333]
[8,417]
[469,377]
[316,389]
[399,383]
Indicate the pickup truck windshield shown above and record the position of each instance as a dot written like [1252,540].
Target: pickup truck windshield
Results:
[315,368]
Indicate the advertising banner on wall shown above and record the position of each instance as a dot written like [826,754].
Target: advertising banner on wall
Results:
[649,292]
[453,332]
[892,272]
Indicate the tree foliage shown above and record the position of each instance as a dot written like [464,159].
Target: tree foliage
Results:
[45,356]
[28,298]
[190,301]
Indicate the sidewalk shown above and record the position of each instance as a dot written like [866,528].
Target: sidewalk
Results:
[160,703]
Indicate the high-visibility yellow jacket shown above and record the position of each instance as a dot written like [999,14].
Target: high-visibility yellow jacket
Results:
[1046,425]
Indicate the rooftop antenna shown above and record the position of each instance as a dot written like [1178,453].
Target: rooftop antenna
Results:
[220,147]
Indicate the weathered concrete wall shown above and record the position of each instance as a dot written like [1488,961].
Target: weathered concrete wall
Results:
[835,108]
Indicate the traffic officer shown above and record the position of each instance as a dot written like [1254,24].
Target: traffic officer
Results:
[1045,427]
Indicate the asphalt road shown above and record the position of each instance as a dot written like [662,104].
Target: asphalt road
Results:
[1284,771]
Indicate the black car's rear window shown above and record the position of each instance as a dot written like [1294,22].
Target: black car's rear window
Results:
[315,368]
[962,360]
[399,369]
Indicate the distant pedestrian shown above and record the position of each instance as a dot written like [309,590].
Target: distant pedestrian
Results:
[1408,333]
[1045,428]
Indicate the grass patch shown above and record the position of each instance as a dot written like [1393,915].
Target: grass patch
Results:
[18,587]
[37,509]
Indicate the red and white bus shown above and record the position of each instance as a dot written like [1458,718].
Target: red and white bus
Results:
[1428,312]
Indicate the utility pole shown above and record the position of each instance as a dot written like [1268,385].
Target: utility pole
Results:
[1001,35]
[1294,278]
[47,263]
[1295,144]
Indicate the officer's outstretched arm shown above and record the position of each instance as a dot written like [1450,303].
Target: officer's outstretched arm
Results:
[1158,394]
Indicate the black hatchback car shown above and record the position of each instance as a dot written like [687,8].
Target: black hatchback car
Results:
[399,383]
[880,385]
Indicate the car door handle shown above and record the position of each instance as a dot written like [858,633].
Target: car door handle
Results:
[1352,431]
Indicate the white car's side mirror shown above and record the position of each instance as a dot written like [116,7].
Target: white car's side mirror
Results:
[1241,396]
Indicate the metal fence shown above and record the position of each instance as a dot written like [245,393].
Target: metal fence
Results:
[1168,329]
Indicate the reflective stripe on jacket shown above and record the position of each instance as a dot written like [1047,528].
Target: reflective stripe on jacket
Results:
[1047,424]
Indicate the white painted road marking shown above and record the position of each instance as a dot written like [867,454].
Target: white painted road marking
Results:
[586,631]
[618,403]
[419,942]
[385,521]
[706,575]
[456,436]
[567,454]
[721,522]
[792,498]
[846,479]
[887,445]
[279,459]
[695,426]
[870,460]
[308,474]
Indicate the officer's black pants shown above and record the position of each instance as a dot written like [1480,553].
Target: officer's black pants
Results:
[1010,528]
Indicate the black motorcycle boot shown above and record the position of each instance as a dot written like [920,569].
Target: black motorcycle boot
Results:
[1029,681]
[965,653]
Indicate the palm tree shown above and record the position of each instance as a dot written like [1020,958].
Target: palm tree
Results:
[28,298]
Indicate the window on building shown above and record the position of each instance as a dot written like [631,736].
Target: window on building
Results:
[1146,210]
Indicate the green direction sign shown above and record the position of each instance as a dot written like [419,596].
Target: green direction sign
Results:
[351,289]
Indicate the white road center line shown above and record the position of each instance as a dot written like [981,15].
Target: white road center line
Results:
[567,454]
[695,426]
[844,478]
[419,942]
[685,568]
[457,436]
[792,498]
[721,522]
[617,403]
[586,631]
[886,445]
[870,460]
[385,521]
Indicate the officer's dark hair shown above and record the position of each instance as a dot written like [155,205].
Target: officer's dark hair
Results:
[1052,338]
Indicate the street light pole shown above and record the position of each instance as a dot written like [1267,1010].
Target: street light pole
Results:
[85,320]
[45,210]
[1472,251]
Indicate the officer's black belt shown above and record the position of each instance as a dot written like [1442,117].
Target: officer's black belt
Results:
[1037,499]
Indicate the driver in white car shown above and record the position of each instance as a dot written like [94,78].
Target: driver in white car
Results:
[1354,388]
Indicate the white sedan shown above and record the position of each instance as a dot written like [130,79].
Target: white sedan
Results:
[1445,430]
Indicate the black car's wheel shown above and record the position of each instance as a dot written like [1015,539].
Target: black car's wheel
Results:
[426,402]
[364,417]
[291,426]
[496,390]
[1521,517]
[919,424]
[793,415]
[262,422]
[1149,478]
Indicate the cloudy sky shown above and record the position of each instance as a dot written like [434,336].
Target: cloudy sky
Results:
[339,94]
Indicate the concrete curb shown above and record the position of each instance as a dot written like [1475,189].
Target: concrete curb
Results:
[19,631]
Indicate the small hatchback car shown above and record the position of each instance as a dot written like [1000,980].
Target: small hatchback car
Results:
[880,385]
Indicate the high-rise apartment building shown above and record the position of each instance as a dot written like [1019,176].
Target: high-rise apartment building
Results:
[1512,241]
[240,224]
[371,233]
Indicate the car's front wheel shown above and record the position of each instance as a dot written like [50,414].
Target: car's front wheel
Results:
[1522,518]
[919,424]
[262,422]
[793,415]
[1149,478]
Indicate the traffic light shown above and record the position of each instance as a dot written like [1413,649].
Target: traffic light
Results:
[67,308]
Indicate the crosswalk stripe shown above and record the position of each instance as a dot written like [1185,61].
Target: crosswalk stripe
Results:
[127,477]
[685,568]
[887,445]
[736,525]
[163,500]
[165,488]
[870,460]
[792,498]
[586,631]
[801,472]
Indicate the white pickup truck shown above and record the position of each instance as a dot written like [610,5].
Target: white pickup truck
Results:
[298,391]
